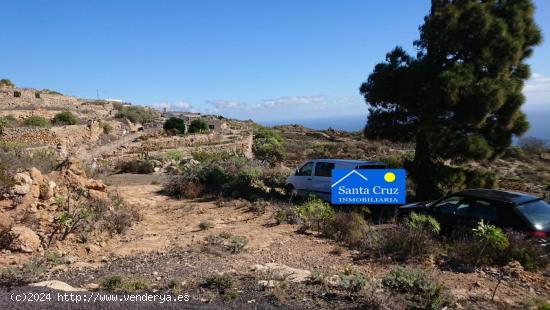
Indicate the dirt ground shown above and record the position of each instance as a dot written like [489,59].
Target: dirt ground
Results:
[166,246]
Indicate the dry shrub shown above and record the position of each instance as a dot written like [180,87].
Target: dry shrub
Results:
[183,187]
[347,227]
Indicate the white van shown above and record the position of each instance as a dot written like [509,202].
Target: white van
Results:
[314,176]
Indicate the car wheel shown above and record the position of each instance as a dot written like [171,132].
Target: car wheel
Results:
[290,190]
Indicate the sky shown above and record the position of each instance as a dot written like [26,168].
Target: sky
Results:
[267,60]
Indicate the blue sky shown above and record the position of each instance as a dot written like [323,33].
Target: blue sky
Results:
[265,60]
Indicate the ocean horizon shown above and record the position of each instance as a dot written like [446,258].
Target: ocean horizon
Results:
[538,120]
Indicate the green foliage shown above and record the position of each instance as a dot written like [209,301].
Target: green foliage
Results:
[120,285]
[353,280]
[137,114]
[3,124]
[460,97]
[313,210]
[175,155]
[6,83]
[212,156]
[174,125]
[419,291]
[268,145]
[37,121]
[348,227]
[225,242]
[221,282]
[65,118]
[53,257]
[198,126]
[491,236]
[424,223]
[51,92]
[527,251]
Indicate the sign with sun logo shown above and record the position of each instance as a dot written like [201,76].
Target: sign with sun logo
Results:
[368,186]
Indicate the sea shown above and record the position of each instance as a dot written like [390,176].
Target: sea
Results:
[539,121]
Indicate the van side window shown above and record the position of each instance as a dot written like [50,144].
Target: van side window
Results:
[323,169]
[305,170]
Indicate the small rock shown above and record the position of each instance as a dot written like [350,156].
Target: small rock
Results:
[91,286]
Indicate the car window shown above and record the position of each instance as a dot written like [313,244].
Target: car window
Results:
[538,213]
[455,205]
[323,169]
[305,170]
[484,210]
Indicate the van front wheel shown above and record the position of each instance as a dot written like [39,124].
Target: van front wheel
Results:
[290,190]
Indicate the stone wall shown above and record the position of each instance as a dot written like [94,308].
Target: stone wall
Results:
[31,136]
[24,102]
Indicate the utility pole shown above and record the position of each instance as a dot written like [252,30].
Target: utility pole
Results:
[97,93]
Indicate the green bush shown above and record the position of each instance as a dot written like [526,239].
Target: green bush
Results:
[120,285]
[224,243]
[419,291]
[221,282]
[37,121]
[198,126]
[490,237]
[423,223]
[65,118]
[137,114]
[313,211]
[174,125]
[6,83]
[353,280]
[268,145]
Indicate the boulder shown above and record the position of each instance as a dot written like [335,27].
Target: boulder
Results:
[6,223]
[23,239]
[36,175]
[95,185]
[58,285]
[283,272]
[75,167]
[23,182]
[97,195]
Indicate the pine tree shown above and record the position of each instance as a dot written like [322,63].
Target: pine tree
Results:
[459,99]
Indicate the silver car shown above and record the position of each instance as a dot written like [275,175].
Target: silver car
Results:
[314,176]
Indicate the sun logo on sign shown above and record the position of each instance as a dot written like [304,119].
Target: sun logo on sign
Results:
[389,177]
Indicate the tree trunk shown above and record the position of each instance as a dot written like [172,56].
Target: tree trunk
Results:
[424,170]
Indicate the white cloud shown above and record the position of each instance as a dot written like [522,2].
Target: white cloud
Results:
[292,101]
[537,91]
[173,106]
[225,104]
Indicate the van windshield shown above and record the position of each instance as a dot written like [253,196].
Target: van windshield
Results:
[538,213]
